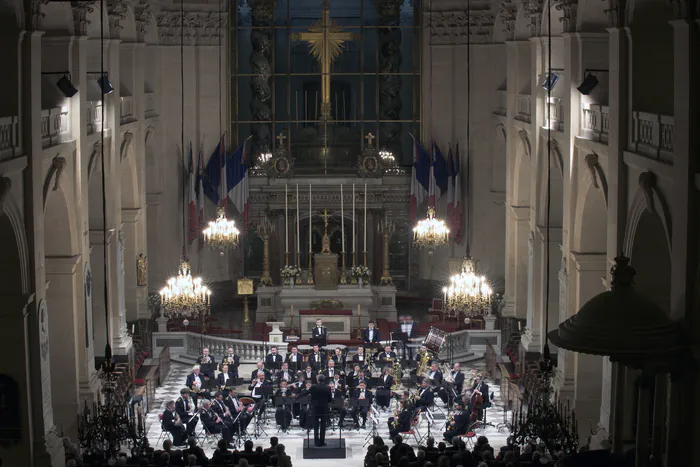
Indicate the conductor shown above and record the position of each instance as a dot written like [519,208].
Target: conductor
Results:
[320,395]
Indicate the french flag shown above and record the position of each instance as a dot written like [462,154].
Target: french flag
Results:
[420,178]
[200,196]
[440,177]
[450,183]
[456,224]
[237,181]
[193,227]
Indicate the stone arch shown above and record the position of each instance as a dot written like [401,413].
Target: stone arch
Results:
[522,29]
[60,217]
[56,17]
[148,27]
[557,186]
[652,54]
[591,16]
[557,20]
[498,161]
[14,255]
[128,175]
[590,219]
[127,24]
[645,199]
[93,21]
[597,175]
[521,177]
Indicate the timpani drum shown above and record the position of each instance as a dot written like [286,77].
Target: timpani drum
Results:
[435,339]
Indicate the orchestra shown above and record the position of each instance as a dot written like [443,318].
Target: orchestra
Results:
[356,383]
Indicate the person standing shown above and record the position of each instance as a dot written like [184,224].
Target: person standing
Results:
[320,395]
[371,334]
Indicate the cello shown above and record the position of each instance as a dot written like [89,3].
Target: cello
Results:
[477,402]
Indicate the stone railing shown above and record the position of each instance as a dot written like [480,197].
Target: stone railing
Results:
[54,126]
[459,344]
[191,343]
[595,124]
[501,102]
[523,108]
[150,105]
[9,137]
[94,116]
[652,135]
[554,119]
[126,108]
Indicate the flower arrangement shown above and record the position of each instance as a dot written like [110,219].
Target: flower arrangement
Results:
[290,271]
[360,271]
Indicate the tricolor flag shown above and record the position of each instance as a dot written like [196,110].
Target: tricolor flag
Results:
[237,181]
[193,227]
[450,183]
[200,190]
[420,178]
[439,173]
[456,224]
[212,176]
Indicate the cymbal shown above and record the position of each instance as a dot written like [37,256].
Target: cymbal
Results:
[247,400]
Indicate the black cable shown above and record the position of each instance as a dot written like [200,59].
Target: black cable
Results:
[469,141]
[104,187]
[182,127]
[549,173]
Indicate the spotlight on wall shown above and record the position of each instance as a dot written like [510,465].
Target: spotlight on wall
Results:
[550,80]
[66,86]
[105,85]
[588,84]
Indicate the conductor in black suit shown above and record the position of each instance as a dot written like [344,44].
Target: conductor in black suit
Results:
[320,398]
[371,334]
[319,330]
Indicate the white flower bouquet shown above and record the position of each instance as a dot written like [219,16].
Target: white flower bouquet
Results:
[290,271]
[360,271]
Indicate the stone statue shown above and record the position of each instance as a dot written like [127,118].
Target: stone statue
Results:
[325,241]
[142,271]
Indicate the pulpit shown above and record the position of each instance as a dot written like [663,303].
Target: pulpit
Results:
[326,271]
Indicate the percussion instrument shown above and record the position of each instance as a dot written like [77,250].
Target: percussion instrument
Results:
[247,400]
[435,339]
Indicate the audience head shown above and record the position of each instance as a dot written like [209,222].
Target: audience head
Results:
[259,449]
[195,369]
[398,439]
[441,446]
[274,460]
[378,441]
[191,460]
[230,350]
[243,463]
[222,445]
[273,350]
[482,440]
[321,379]
[192,441]
[431,442]
[185,393]
[167,445]
[70,463]
[164,458]
[248,446]
[279,449]
[316,348]
[370,325]
[420,455]
[274,441]
[224,368]
[205,351]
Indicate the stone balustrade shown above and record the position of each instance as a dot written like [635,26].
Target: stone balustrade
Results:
[191,343]
[595,124]
[554,118]
[523,106]
[460,344]
[652,135]
[9,137]
[501,102]
[94,116]
[54,126]
[150,104]
[126,108]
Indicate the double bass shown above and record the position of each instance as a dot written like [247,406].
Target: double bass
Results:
[477,403]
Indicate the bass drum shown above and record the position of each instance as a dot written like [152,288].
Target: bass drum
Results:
[435,340]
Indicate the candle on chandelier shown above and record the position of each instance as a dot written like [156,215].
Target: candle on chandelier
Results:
[342,222]
[353,224]
[310,220]
[365,218]
[298,220]
[286,223]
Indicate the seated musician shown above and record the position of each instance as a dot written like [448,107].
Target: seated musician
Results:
[482,389]
[259,366]
[359,357]
[232,360]
[319,330]
[226,379]
[361,379]
[317,359]
[222,410]
[337,393]
[241,415]
[172,423]
[295,360]
[361,393]
[185,409]
[273,360]
[256,389]
[305,421]
[207,363]
[310,374]
[214,423]
[421,352]
[457,378]
[388,356]
[285,375]
[384,389]
[459,424]
[283,414]
[331,371]
[339,383]
[435,376]
[195,383]
[370,335]
[339,359]
[425,395]
[402,423]
[351,379]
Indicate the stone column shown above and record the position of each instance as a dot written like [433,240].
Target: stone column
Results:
[643,417]
[135,297]
[98,304]
[520,221]
[25,321]
[63,275]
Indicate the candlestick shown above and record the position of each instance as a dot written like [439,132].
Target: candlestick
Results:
[310,216]
[365,242]
[298,221]
[353,225]
[359,323]
[342,224]
[286,228]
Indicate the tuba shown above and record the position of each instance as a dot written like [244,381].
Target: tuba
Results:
[423,366]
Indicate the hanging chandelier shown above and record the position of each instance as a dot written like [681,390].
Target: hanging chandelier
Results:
[430,232]
[468,293]
[184,295]
[222,233]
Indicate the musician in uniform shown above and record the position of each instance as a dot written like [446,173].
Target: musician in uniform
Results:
[361,379]
[273,360]
[256,391]
[237,410]
[222,410]
[460,423]
[481,388]
[330,372]
[259,368]
[317,359]
[421,352]
[285,375]
[388,356]
[225,379]
[304,420]
[425,395]
[435,376]
[402,423]
[185,409]
[370,335]
[337,393]
[232,360]
[172,423]
[295,359]
[283,415]
[361,393]
[359,357]
[310,374]
[351,379]
[214,423]
[384,389]
[457,378]
[195,383]
[339,383]
[319,330]
[207,363]
[339,359]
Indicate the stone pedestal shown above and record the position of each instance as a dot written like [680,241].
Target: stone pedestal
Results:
[266,306]
[276,333]
[490,322]
[162,323]
[386,302]
[142,310]
[326,271]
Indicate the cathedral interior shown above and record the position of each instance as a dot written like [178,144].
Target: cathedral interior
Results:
[283,152]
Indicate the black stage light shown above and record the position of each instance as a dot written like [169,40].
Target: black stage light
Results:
[550,81]
[104,84]
[589,83]
[66,87]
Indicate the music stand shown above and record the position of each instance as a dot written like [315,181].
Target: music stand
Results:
[336,404]
[400,336]
[282,402]
[320,341]
[352,403]
[273,367]
[374,416]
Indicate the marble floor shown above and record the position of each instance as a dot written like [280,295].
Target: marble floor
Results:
[355,439]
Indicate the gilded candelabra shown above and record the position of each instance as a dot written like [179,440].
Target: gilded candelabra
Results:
[222,233]
[467,293]
[184,295]
[431,232]
[386,228]
[265,228]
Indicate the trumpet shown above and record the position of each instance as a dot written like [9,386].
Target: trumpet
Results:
[206,359]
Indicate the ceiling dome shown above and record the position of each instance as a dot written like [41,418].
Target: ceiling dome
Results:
[623,325]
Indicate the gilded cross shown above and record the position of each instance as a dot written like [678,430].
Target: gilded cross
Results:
[325,39]
[325,217]
[370,137]
[281,139]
